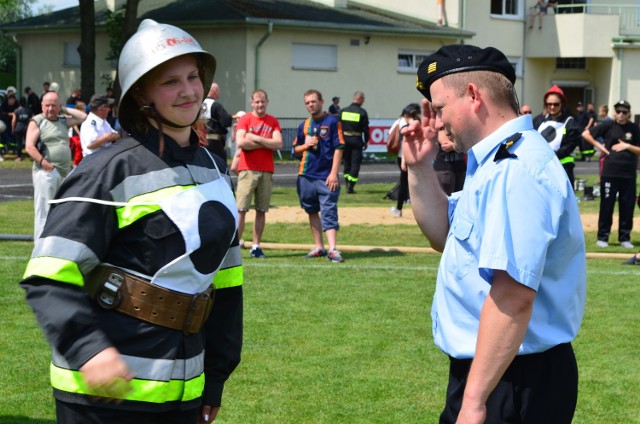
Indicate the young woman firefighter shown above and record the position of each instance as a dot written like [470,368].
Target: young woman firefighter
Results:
[138,240]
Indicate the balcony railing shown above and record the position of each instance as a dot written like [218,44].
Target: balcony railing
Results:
[629,15]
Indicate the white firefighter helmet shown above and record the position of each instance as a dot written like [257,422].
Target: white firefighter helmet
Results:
[153,44]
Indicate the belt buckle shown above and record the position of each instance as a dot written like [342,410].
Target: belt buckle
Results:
[206,296]
[109,296]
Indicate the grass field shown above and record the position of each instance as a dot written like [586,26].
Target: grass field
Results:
[339,343]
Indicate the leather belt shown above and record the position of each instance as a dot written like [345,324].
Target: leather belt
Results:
[352,133]
[115,289]
[215,137]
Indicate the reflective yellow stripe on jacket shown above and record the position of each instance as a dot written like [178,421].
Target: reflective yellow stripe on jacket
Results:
[350,116]
[142,390]
[55,269]
[230,277]
[143,205]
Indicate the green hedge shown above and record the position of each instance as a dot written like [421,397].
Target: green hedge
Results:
[7,79]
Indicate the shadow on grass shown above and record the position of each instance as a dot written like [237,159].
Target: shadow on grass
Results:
[273,254]
[7,419]
[372,254]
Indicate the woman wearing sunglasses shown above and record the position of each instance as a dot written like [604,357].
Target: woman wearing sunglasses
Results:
[558,127]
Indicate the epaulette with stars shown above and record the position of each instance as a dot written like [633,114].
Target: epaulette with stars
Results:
[503,150]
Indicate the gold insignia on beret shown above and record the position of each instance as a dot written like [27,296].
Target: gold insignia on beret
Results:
[432,67]
[419,84]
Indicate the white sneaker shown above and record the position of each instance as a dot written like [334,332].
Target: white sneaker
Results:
[396,212]
[627,245]
[602,243]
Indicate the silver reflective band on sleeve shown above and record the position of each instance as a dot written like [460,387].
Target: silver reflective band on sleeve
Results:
[62,248]
[233,258]
[165,369]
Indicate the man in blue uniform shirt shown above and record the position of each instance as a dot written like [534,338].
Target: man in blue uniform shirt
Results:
[511,286]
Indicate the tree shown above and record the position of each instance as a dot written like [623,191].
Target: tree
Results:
[119,29]
[14,10]
[129,28]
[11,11]
[87,49]
[120,25]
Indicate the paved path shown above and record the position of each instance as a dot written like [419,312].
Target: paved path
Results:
[15,184]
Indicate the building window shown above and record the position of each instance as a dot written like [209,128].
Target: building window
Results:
[409,61]
[71,55]
[510,8]
[317,57]
[516,62]
[571,63]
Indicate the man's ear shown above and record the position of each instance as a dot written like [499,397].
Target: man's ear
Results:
[472,90]
[473,94]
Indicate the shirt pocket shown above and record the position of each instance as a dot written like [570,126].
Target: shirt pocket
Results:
[461,231]
[159,227]
[160,241]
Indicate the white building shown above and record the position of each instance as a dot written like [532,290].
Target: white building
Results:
[340,46]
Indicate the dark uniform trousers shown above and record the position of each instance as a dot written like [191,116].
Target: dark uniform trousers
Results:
[625,189]
[70,413]
[535,389]
[352,157]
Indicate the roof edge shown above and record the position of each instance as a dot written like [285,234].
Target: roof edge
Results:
[447,32]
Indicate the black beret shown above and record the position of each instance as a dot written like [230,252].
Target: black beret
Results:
[456,58]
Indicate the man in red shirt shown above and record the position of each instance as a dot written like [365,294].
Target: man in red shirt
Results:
[258,135]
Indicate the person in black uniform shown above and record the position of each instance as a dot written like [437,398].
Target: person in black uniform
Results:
[586,118]
[218,120]
[122,278]
[33,101]
[355,128]
[620,147]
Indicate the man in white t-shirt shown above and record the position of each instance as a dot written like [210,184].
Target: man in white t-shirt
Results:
[95,132]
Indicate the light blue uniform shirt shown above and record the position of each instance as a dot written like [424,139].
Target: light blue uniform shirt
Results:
[518,215]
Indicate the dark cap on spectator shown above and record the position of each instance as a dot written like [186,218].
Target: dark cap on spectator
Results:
[578,104]
[456,58]
[335,98]
[98,100]
[623,103]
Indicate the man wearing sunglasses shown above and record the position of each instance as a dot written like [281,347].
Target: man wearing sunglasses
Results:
[621,147]
[558,127]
